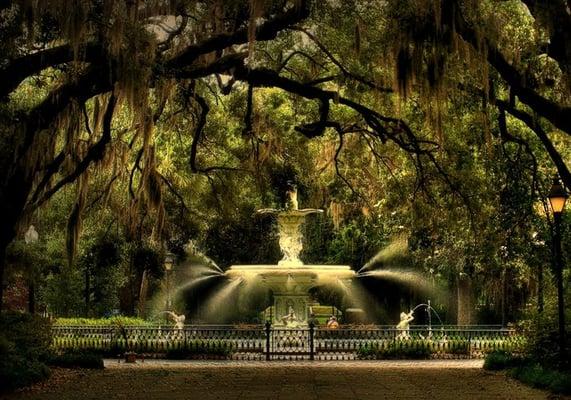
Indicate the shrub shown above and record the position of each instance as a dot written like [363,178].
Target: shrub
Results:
[412,350]
[30,334]
[119,321]
[498,360]
[203,348]
[17,371]
[77,359]
[529,372]
[24,343]
[537,376]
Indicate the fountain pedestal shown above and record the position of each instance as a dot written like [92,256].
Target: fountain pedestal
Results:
[290,286]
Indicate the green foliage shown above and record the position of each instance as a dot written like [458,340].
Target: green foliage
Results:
[471,215]
[63,292]
[17,372]
[24,344]
[542,332]
[237,239]
[542,377]
[145,257]
[530,371]
[102,270]
[112,321]
[499,360]
[30,334]
[76,359]
[200,349]
[414,350]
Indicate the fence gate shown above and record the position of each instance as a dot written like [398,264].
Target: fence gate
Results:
[289,344]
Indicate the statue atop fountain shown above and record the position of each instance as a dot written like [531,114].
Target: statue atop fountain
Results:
[290,220]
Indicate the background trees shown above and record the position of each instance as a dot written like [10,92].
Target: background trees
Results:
[158,122]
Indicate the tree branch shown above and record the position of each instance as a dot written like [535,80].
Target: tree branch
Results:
[532,124]
[21,68]
[339,65]
[95,153]
[558,115]
[265,31]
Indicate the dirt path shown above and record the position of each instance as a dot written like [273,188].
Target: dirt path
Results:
[283,380]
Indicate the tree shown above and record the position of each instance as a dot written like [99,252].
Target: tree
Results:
[108,61]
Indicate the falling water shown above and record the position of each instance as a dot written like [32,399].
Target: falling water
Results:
[192,249]
[219,303]
[429,308]
[397,248]
[196,281]
[410,278]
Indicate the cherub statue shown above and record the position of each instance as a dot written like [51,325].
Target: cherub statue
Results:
[178,319]
[404,325]
[290,318]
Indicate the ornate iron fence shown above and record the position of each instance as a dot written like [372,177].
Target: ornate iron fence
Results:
[279,343]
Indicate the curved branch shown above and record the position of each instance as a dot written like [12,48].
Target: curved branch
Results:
[21,68]
[386,128]
[204,109]
[265,31]
[300,53]
[532,124]
[95,153]
[558,115]
[95,81]
[345,71]
[172,34]
[174,191]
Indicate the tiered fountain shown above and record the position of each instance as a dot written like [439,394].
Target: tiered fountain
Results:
[290,280]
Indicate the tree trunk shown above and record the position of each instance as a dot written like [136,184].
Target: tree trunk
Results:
[464,295]
[31,298]
[13,195]
[2,264]
[87,291]
[142,295]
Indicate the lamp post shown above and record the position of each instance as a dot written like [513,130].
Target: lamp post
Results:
[169,263]
[538,244]
[557,197]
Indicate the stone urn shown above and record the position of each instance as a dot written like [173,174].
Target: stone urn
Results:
[130,357]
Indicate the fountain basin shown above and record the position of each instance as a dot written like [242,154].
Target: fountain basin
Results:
[290,286]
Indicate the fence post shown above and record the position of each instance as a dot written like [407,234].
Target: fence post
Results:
[268,332]
[311,347]
[185,343]
[469,344]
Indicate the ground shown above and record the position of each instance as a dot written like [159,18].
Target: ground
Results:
[172,380]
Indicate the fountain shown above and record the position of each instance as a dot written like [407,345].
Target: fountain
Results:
[406,318]
[290,280]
